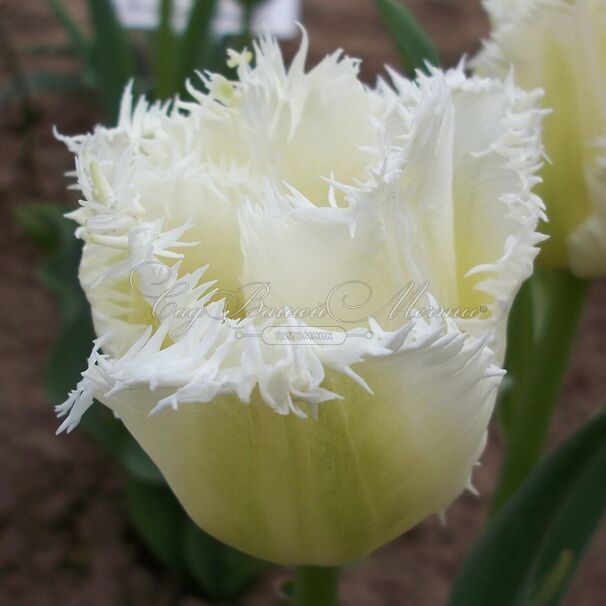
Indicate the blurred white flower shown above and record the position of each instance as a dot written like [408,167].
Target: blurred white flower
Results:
[305,182]
[560,45]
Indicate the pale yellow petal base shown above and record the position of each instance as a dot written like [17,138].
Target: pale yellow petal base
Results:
[324,491]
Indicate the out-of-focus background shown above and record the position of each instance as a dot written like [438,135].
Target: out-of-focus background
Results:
[65,538]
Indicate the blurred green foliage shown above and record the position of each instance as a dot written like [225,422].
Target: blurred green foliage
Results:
[159,63]
[216,570]
[109,55]
[411,41]
[530,550]
[542,329]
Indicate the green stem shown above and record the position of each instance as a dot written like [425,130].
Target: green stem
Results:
[316,586]
[559,298]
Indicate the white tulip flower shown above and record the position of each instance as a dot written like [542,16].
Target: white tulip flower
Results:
[385,233]
[560,46]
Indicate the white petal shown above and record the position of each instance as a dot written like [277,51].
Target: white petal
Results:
[497,154]
[560,46]
[328,490]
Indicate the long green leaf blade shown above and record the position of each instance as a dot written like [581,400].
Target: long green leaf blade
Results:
[164,53]
[519,358]
[159,520]
[222,571]
[78,41]
[553,582]
[411,41]
[559,299]
[113,55]
[575,525]
[195,43]
[518,546]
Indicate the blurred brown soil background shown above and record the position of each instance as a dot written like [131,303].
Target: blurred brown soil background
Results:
[64,536]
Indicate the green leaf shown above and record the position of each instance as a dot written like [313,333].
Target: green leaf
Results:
[554,580]
[195,44]
[47,226]
[42,81]
[108,432]
[571,532]
[164,53]
[68,357]
[520,356]
[42,223]
[222,571]
[78,41]
[49,50]
[138,464]
[54,82]
[558,299]
[557,510]
[113,59]
[159,519]
[286,590]
[411,41]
